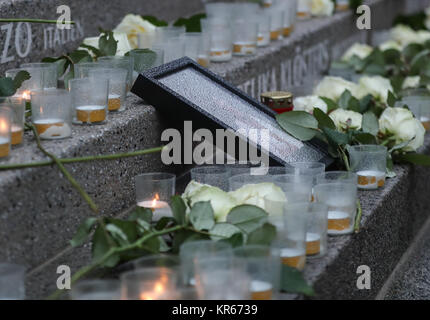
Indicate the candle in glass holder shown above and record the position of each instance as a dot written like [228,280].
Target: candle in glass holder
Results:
[261,290]
[370,179]
[16,134]
[313,243]
[91,114]
[4,135]
[304,9]
[17,109]
[339,220]
[159,208]
[342,5]
[293,257]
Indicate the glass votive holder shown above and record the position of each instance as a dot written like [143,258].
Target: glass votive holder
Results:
[82,69]
[342,5]
[245,37]
[197,47]
[418,101]
[220,10]
[263,20]
[287,21]
[12,281]
[17,106]
[117,78]
[193,252]
[228,284]
[123,62]
[311,168]
[216,176]
[35,82]
[51,113]
[5,130]
[49,70]
[164,34]
[96,290]
[276,23]
[304,9]
[221,42]
[173,48]
[369,162]
[157,260]
[337,176]
[292,238]
[341,199]
[154,191]
[89,100]
[148,284]
[264,269]
[297,188]
[316,226]
[241,180]
[145,59]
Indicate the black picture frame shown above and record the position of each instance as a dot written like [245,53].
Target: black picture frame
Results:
[176,108]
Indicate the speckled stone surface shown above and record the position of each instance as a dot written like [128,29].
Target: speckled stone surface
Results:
[40,211]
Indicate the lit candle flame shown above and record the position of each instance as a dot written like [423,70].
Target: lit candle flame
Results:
[157,291]
[3,126]
[26,95]
[155,200]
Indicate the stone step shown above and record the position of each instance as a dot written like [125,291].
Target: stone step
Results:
[40,211]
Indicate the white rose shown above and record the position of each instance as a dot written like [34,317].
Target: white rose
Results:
[404,35]
[390,44]
[256,194]
[377,86]
[333,87]
[220,200]
[132,25]
[346,119]
[427,22]
[422,36]
[322,7]
[123,46]
[308,103]
[357,49]
[400,122]
[411,82]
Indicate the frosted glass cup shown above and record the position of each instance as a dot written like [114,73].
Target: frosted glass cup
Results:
[122,62]
[194,251]
[35,82]
[148,284]
[145,59]
[89,100]
[297,188]
[96,290]
[17,106]
[304,9]
[216,176]
[5,128]
[341,199]
[157,260]
[82,70]
[337,176]
[276,23]
[369,162]
[263,20]
[12,281]
[51,113]
[221,42]
[117,78]
[49,71]
[311,169]
[173,48]
[197,47]
[245,37]
[241,180]
[263,266]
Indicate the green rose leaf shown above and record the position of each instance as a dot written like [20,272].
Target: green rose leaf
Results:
[292,281]
[263,236]
[20,78]
[129,228]
[164,222]
[183,236]
[83,232]
[7,87]
[323,119]
[391,56]
[247,217]
[155,21]
[299,124]
[224,231]
[101,245]
[236,240]
[375,69]
[107,44]
[410,51]
[415,158]
[397,82]
[178,209]
[80,56]
[331,105]
[420,61]
[391,99]
[365,138]
[354,104]
[344,99]
[202,216]
[335,138]
[144,214]
[152,244]
[365,103]
[117,234]
[96,52]
[370,123]
[191,24]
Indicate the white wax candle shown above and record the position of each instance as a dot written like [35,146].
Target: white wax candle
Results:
[113,96]
[368,179]
[311,237]
[220,55]
[260,286]
[292,252]
[337,215]
[160,208]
